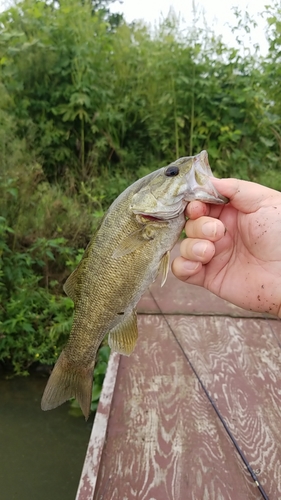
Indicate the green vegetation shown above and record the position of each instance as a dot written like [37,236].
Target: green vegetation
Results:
[88,104]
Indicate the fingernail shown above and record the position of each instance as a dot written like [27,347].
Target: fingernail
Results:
[190,265]
[199,249]
[209,229]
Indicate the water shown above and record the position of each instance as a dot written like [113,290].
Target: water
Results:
[41,453]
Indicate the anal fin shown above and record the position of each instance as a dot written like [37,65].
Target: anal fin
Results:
[123,337]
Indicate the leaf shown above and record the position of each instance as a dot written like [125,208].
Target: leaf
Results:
[267,142]
[104,353]
[13,192]
[100,368]
[180,121]
[96,392]
[50,254]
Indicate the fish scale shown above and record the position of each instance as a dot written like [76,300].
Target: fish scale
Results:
[130,247]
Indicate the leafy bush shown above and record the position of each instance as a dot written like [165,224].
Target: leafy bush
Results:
[91,100]
[34,323]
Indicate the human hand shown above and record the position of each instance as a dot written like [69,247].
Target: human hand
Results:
[234,250]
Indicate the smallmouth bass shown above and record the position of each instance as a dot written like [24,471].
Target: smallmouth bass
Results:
[125,255]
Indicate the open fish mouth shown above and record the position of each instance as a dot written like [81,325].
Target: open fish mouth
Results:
[199,184]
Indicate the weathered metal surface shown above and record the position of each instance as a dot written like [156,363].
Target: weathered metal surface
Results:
[97,440]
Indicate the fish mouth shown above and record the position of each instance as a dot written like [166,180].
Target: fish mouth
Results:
[199,183]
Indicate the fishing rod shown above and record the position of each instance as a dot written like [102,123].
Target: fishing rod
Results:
[218,413]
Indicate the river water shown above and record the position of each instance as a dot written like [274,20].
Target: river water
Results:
[41,453]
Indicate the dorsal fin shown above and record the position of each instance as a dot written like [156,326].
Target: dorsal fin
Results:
[70,285]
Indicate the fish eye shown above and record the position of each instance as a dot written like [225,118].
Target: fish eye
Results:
[172,171]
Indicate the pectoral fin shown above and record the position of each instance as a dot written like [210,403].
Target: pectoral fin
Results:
[164,267]
[123,337]
[134,241]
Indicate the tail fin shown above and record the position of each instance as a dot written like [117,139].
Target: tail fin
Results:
[67,381]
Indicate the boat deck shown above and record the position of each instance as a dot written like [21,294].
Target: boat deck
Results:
[158,434]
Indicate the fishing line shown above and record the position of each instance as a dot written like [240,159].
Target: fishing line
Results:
[218,413]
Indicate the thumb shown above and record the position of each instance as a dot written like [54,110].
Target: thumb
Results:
[245,196]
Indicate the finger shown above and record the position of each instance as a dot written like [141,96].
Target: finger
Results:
[205,227]
[244,195]
[197,250]
[184,269]
[196,209]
